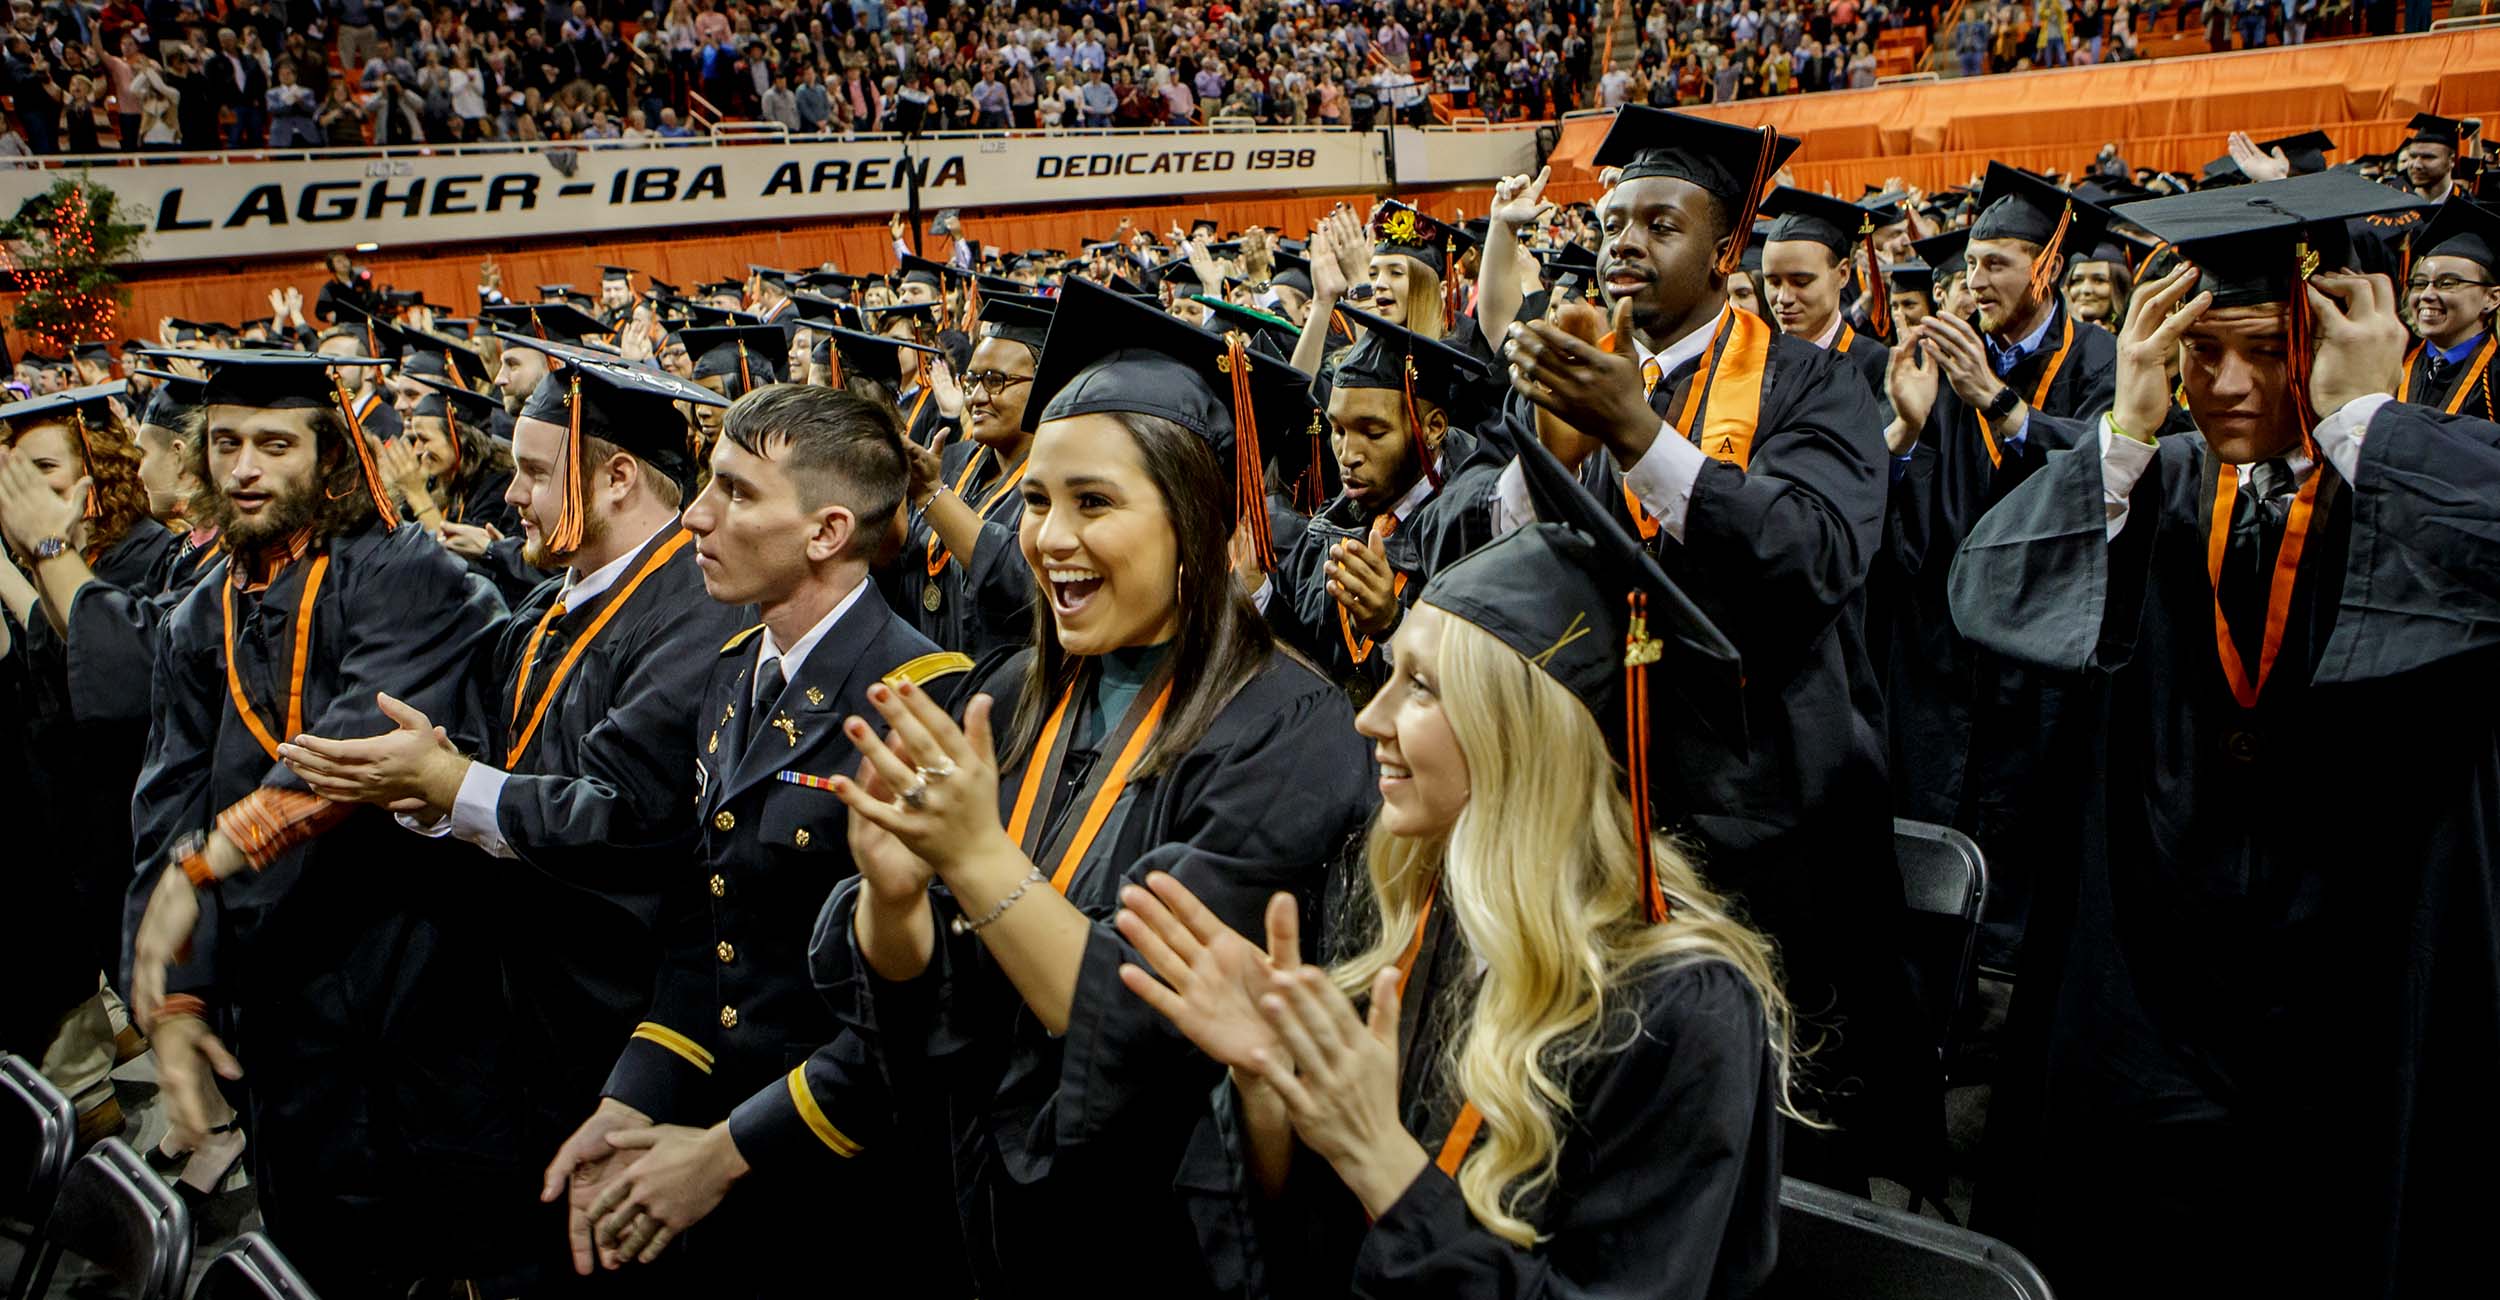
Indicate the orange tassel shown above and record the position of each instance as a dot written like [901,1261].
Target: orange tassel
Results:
[2300,355]
[1733,260]
[1878,295]
[86,459]
[746,377]
[2046,268]
[1415,428]
[567,533]
[364,458]
[1249,466]
[1639,652]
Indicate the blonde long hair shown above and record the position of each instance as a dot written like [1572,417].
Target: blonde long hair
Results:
[1541,874]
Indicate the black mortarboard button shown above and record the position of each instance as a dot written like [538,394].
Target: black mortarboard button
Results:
[1017,319]
[749,356]
[1943,253]
[2248,240]
[1394,357]
[560,322]
[2461,228]
[1401,228]
[1111,353]
[1588,605]
[467,404]
[627,403]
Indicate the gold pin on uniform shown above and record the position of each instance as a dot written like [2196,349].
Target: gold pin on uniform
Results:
[815,695]
[786,727]
[712,746]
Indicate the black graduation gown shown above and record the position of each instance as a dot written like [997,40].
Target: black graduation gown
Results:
[1666,1185]
[1796,819]
[352,976]
[1043,1124]
[595,808]
[985,600]
[2260,1000]
[481,504]
[1866,356]
[2442,394]
[1973,739]
[502,566]
[735,1030]
[79,736]
[922,420]
[1438,532]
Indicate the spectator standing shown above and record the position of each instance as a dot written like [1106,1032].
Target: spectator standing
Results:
[120,72]
[468,96]
[341,120]
[293,112]
[989,101]
[815,107]
[393,112]
[1614,89]
[356,35]
[1099,100]
[1021,92]
[780,104]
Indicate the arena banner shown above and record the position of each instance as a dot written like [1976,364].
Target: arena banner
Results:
[203,210]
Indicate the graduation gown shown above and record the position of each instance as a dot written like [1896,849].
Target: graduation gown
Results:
[594,808]
[981,602]
[1666,1184]
[1040,1124]
[353,975]
[1437,532]
[481,504]
[2260,1000]
[1865,356]
[1795,817]
[735,1029]
[2465,390]
[81,714]
[1972,738]
[922,420]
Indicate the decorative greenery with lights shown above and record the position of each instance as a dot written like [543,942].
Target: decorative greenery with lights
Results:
[60,248]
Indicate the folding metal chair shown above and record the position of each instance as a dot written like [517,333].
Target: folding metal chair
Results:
[252,1268]
[37,1130]
[116,1214]
[1945,879]
[1834,1246]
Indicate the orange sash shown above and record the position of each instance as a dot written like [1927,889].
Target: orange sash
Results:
[2278,589]
[1024,828]
[564,666]
[2465,382]
[1463,1127]
[938,554]
[295,678]
[1730,375]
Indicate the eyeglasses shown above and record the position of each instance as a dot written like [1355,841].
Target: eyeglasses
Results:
[2445,284]
[993,382]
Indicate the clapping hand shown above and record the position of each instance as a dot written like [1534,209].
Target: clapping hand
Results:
[1207,978]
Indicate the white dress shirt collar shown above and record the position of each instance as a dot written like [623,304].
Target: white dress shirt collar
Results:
[581,588]
[1692,345]
[795,657]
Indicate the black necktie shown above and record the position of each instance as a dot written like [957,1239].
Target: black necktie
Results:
[768,684]
[2257,518]
[2441,371]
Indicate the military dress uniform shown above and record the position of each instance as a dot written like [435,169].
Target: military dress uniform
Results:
[735,1019]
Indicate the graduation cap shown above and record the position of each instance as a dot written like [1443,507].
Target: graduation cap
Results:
[1911,276]
[292,381]
[663,290]
[1588,605]
[625,273]
[2251,241]
[875,356]
[461,326]
[1570,269]
[563,293]
[82,409]
[1197,224]
[1017,319]
[1733,162]
[1836,224]
[1943,253]
[422,354]
[710,317]
[2431,128]
[355,321]
[922,316]
[186,331]
[2464,229]
[2014,204]
[1110,353]
[722,289]
[1121,284]
[1268,332]
[2109,191]
[774,276]
[1756,240]
[554,321]
[992,284]
[1177,272]
[446,400]
[1472,231]
[749,355]
[1396,358]
[628,403]
[920,270]
[815,309]
[404,299]
[96,353]
[1290,271]
[175,398]
[1400,228]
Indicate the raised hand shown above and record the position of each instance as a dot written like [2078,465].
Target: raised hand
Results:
[2359,342]
[2157,316]
[1519,201]
[1207,978]
[2257,164]
[1913,382]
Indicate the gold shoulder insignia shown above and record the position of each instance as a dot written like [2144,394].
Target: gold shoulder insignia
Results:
[740,639]
[929,667]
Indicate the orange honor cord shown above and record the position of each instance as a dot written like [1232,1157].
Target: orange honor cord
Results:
[2278,588]
[364,458]
[295,680]
[564,667]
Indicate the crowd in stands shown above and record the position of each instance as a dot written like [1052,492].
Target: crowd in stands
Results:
[196,75]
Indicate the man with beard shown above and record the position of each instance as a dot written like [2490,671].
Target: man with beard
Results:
[322,942]
[2430,156]
[1974,741]
[617,298]
[593,691]
[1756,470]
[2259,1005]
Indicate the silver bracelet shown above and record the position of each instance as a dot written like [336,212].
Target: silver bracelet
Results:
[962,925]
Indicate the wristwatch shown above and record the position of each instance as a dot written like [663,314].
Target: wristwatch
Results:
[51,548]
[2002,404]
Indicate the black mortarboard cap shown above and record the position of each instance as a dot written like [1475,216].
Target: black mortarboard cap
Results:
[1943,253]
[617,273]
[705,316]
[909,269]
[1017,318]
[816,311]
[753,355]
[2431,128]
[628,403]
[722,288]
[2014,204]
[1387,355]
[1111,353]
[1268,332]
[1755,240]
[176,396]
[772,275]
[424,354]
[1124,285]
[1401,228]
[922,315]
[1177,272]
[1291,270]
[556,321]
[2461,228]
[470,406]
[2306,151]
[993,284]
[872,355]
[87,401]
[185,330]
[1911,276]
[2246,239]
[1720,157]
[101,353]
[1571,268]
[1836,224]
[270,381]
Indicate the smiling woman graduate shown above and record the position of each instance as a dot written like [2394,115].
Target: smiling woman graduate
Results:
[1152,725]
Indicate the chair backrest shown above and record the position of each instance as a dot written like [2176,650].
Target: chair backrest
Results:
[1944,879]
[251,1269]
[36,1134]
[1834,1246]
[116,1214]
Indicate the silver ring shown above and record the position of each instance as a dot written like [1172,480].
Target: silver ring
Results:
[928,773]
[916,795]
